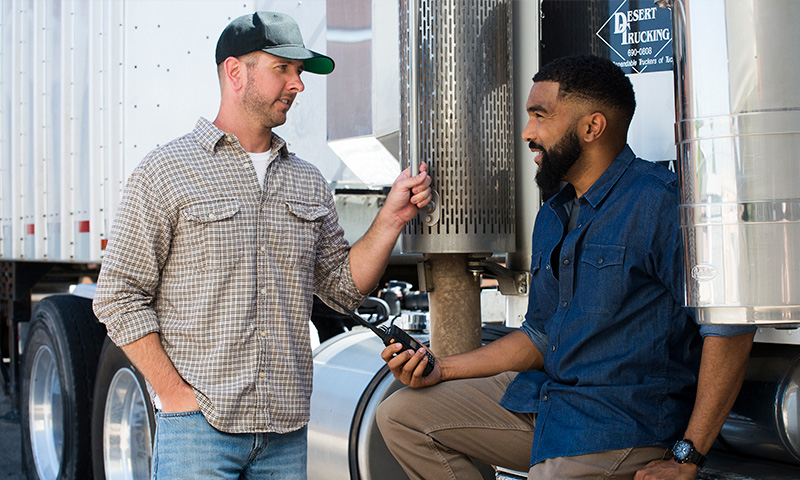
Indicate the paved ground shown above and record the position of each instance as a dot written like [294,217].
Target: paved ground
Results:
[747,469]
[10,461]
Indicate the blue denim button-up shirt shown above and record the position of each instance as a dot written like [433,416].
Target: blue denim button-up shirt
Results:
[621,353]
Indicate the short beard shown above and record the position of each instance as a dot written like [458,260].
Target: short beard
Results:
[557,161]
[258,106]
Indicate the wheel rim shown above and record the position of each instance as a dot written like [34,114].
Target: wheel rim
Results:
[127,448]
[46,417]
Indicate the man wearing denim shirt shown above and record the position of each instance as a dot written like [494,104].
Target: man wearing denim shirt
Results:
[615,378]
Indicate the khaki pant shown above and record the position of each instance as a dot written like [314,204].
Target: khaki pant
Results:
[433,432]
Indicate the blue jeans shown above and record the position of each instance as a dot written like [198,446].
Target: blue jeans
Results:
[186,446]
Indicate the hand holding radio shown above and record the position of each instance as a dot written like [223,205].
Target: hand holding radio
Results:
[397,340]
[408,366]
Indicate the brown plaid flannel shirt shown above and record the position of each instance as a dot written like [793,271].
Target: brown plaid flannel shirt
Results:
[225,272]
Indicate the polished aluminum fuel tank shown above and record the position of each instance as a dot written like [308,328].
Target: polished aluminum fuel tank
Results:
[738,134]
[350,380]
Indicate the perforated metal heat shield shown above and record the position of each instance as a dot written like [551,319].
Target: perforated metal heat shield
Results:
[464,106]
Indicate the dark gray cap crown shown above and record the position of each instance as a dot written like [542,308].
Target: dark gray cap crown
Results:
[271,32]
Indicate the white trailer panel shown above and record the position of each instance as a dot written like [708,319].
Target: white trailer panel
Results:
[62,127]
[90,87]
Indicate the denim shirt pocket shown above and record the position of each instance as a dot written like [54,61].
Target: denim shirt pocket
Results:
[600,282]
[213,228]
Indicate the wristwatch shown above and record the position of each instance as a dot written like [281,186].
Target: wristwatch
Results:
[683,452]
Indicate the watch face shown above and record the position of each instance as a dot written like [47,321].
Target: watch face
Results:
[681,450]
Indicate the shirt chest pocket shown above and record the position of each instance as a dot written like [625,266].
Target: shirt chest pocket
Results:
[601,278]
[298,241]
[212,233]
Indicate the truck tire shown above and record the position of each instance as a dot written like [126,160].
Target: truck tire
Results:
[123,420]
[58,369]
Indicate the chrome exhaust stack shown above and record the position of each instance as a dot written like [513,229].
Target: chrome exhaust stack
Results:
[738,136]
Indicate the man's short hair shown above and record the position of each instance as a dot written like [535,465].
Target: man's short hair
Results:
[592,79]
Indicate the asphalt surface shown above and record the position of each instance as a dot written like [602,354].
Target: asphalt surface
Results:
[10,454]
[719,463]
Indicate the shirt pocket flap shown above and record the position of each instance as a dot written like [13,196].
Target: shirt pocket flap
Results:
[602,256]
[307,211]
[211,210]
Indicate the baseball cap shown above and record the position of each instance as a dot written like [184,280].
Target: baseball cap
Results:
[271,32]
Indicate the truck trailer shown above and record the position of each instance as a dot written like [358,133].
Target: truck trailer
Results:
[89,87]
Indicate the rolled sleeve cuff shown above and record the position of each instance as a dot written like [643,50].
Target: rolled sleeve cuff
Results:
[346,291]
[538,337]
[126,329]
[725,330]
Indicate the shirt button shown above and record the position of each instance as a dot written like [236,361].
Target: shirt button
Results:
[212,216]
[262,374]
[547,267]
[263,248]
[580,225]
[263,291]
[552,348]
[566,261]
[545,398]
[600,261]
[565,304]
[263,333]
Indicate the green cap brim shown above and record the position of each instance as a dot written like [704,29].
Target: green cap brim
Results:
[312,61]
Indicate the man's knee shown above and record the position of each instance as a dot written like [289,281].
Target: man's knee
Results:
[392,413]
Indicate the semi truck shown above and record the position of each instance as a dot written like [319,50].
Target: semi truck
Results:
[89,87]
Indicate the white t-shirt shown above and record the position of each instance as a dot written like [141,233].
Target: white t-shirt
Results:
[260,162]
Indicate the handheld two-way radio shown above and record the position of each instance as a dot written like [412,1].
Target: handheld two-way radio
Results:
[392,335]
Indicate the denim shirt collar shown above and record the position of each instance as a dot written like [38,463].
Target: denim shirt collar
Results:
[565,195]
[599,190]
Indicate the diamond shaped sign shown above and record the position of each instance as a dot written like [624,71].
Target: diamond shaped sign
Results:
[639,35]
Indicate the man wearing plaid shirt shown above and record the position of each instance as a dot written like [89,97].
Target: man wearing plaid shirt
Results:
[220,240]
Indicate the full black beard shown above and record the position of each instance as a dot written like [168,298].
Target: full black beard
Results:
[557,161]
